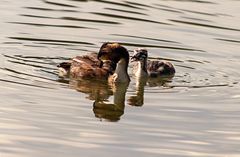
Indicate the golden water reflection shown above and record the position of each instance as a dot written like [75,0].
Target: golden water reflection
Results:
[109,99]
[138,98]
[100,92]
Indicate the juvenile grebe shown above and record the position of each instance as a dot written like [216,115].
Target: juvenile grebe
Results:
[110,63]
[149,68]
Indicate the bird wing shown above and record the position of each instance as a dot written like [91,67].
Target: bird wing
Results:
[88,67]
[160,68]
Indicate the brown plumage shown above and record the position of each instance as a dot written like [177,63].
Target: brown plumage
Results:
[96,66]
[159,68]
[88,67]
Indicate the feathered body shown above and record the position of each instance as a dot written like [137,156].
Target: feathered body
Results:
[149,68]
[112,60]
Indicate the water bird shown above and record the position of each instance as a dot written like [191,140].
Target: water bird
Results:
[110,64]
[149,68]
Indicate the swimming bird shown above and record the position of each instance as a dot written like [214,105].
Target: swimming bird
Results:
[149,68]
[110,64]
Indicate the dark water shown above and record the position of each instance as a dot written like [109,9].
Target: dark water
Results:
[194,114]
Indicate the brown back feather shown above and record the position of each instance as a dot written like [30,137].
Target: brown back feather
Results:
[156,68]
[88,67]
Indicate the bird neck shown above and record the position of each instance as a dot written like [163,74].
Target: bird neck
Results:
[142,68]
[121,73]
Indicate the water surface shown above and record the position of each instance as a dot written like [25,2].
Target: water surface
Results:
[196,113]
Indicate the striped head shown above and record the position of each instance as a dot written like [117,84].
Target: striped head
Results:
[140,54]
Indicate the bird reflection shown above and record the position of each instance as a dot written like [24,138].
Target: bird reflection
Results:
[100,92]
[112,110]
[109,98]
[138,98]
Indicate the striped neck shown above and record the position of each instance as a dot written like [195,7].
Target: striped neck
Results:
[141,68]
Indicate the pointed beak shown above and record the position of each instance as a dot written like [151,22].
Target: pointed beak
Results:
[133,59]
[99,55]
[101,64]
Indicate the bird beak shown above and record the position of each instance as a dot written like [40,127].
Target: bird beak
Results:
[133,59]
[99,55]
[102,56]
[101,64]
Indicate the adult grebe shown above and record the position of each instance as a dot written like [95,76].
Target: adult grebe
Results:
[110,63]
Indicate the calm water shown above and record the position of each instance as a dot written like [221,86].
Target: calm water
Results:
[194,114]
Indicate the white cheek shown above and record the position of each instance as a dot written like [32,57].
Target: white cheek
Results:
[62,72]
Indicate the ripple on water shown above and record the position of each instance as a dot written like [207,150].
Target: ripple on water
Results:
[195,113]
